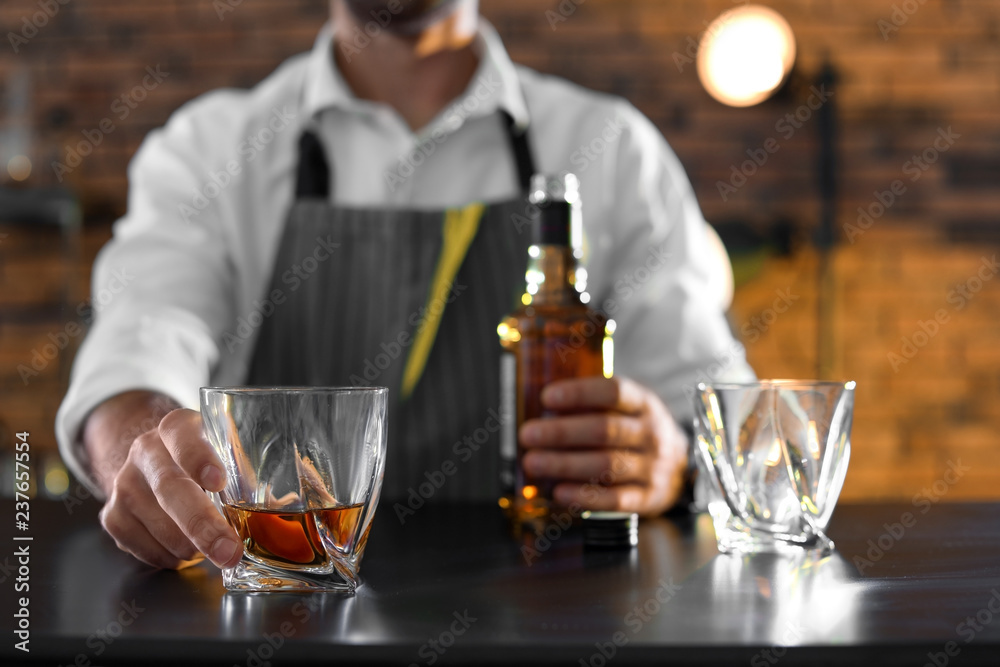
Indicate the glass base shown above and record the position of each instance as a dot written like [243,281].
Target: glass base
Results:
[730,541]
[250,576]
[736,536]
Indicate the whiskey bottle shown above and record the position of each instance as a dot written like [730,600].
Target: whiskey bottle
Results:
[553,335]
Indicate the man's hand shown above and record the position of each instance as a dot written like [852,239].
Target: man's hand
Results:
[613,447]
[157,509]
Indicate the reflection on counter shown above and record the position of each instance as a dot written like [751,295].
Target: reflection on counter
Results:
[275,617]
[788,600]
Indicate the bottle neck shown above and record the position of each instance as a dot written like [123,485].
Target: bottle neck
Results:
[554,276]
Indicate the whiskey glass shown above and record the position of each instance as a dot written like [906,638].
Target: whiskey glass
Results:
[776,454]
[304,470]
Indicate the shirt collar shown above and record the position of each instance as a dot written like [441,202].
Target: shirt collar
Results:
[494,85]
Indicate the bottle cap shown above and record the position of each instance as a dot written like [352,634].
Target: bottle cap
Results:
[610,530]
[557,198]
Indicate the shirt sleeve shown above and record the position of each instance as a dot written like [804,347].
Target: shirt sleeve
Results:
[665,281]
[161,289]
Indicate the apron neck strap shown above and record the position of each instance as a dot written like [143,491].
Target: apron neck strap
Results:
[522,151]
[312,179]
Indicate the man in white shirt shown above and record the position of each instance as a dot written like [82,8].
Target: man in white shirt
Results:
[412,107]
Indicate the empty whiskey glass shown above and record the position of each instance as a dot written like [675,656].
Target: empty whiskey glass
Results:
[304,470]
[776,454]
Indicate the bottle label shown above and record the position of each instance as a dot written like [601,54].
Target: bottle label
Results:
[508,417]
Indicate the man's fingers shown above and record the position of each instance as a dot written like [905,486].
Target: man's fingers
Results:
[589,430]
[133,538]
[659,490]
[609,466]
[132,497]
[595,393]
[185,502]
[625,498]
[181,433]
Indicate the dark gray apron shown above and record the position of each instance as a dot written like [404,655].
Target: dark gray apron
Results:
[370,301]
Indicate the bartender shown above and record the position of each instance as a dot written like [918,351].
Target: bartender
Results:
[293,234]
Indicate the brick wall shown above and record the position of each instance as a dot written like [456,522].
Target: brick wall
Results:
[900,84]
[915,326]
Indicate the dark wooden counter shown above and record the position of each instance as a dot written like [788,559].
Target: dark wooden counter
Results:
[452,587]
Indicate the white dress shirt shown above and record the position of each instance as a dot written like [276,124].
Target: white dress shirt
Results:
[209,194]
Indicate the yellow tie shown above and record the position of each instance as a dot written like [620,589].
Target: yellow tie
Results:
[460,227]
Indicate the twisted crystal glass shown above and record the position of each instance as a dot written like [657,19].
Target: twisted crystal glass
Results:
[776,453]
[304,469]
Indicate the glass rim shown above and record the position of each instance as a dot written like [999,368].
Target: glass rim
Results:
[778,382]
[292,390]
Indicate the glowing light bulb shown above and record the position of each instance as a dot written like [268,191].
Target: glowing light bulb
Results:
[745,55]
[19,167]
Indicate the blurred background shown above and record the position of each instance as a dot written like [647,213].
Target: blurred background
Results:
[874,263]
